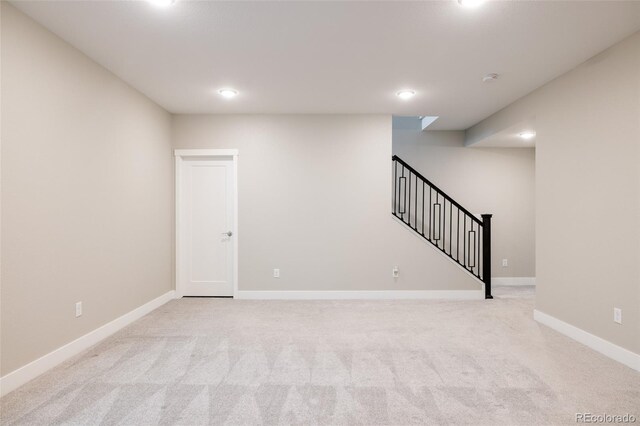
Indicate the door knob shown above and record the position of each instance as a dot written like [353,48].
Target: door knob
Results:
[228,233]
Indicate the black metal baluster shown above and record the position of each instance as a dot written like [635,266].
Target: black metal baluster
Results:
[436,236]
[481,252]
[443,220]
[430,216]
[443,234]
[404,205]
[395,180]
[402,193]
[423,208]
[433,220]
[464,242]
[444,225]
[415,223]
[458,238]
[471,256]
[450,226]
[478,251]
[467,237]
[409,209]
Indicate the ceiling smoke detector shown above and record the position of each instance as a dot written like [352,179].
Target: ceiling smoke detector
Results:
[490,77]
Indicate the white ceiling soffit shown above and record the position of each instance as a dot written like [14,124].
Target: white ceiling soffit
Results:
[339,57]
[511,137]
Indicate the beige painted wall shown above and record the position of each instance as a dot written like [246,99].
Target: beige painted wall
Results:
[87,194]
[315,201]
[587,191]
[488,180]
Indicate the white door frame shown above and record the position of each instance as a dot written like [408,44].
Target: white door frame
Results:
[213,154]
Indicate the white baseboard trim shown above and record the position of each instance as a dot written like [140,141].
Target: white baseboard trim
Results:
[598,344]
[364,295]
[513,281]
[35,368]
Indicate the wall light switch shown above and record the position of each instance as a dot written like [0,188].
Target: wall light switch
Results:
[505,263]
[617,315]
[276,273]
[78,309]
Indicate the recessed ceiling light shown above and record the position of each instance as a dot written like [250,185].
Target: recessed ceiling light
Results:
[470,3]
[527,135]
[228,93]
[406,94]
[162,3]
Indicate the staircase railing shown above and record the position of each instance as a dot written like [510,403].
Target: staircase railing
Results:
[443,222]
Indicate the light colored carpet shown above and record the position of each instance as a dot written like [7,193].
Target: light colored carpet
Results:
[513,292]
[220,361]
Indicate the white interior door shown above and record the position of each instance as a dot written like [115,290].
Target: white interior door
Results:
[206,216]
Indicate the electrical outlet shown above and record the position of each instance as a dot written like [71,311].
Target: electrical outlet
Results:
[617,315]
[396,272]
[276,273]
[505,263]
[78,309]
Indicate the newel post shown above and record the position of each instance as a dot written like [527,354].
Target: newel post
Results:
[486,255]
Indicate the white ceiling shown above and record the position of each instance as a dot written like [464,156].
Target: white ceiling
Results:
[339,57]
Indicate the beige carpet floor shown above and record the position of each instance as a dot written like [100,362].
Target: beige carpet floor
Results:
[220,361]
